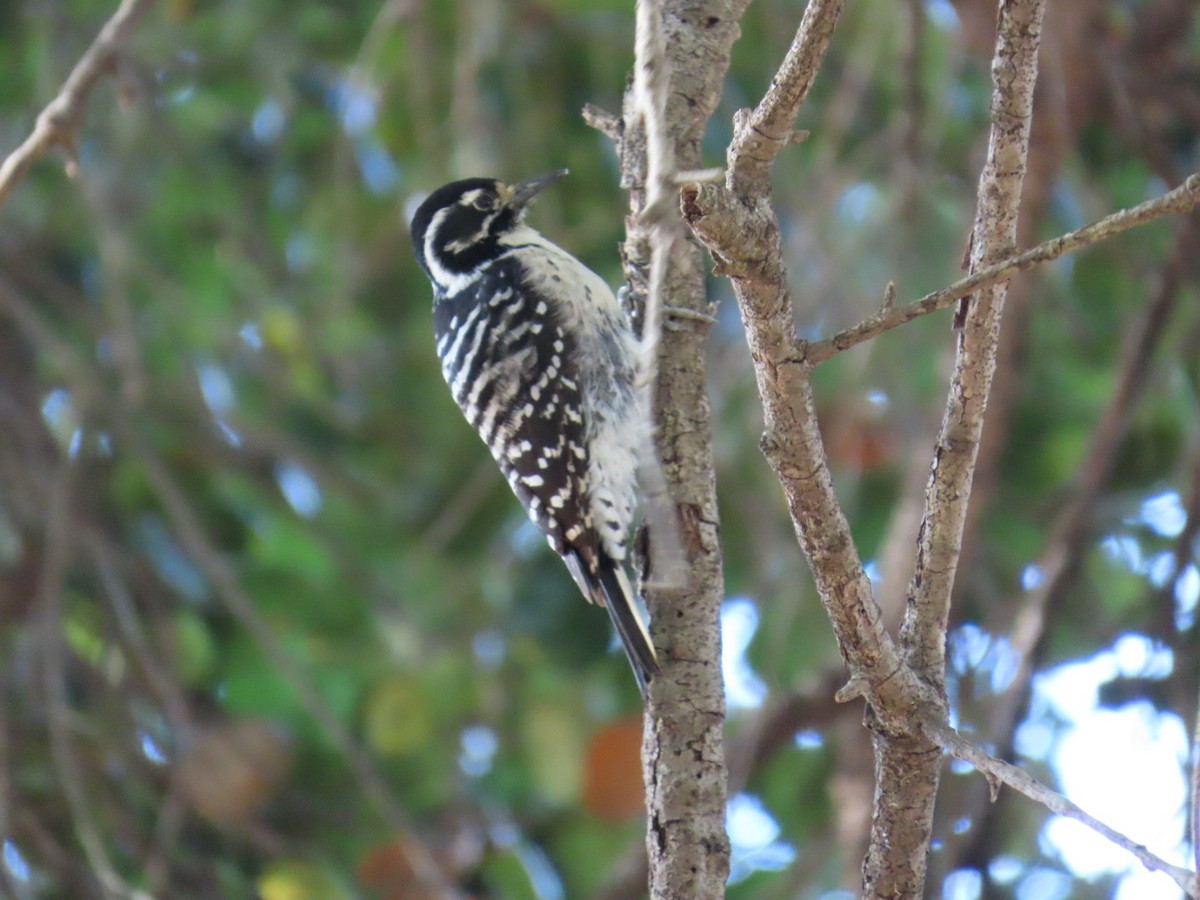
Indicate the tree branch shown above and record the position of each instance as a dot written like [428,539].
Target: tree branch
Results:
[999,772]
[738,225]
[1180,200]
[54,684]
[1014,71]
[663,120]
[742,231]
[760,134]
[62,119]
[911,768]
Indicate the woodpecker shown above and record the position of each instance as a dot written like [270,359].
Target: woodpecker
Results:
[542,360]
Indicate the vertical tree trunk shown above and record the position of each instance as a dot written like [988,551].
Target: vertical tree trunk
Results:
[683,750]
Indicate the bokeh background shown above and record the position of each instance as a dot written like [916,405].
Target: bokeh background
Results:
[270,623]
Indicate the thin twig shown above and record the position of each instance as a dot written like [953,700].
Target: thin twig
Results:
[939,538]
[658,216]
[160,681]
[999,772]
[1180,200]
[742,232]
[66,763]
[391,13]
[460,509]
[61,120]
[659,225]
[1071,527]
[914,93]
[15,887]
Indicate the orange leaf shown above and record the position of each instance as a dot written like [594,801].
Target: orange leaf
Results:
[613,771]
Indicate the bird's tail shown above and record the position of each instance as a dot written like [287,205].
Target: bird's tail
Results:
[623,610]
[610,588]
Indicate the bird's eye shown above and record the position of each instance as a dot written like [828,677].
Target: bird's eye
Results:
[485,202]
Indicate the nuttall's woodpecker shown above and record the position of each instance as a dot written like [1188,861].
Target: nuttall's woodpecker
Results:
[542,360]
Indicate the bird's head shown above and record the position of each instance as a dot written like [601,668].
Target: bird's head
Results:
[461,225]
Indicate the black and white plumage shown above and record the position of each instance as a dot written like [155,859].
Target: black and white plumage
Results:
[542,360]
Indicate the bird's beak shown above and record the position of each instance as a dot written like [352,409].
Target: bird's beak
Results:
[523,192]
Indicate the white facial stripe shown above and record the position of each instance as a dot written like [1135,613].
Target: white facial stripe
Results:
[435,225]
[450,282]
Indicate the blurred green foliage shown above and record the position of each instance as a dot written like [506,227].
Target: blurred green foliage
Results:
[217,338]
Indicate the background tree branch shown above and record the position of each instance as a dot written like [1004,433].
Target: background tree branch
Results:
[60,122]
[999,772]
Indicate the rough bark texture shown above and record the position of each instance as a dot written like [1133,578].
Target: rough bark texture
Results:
[909,767]
[1014,72]
[683,750]
[904,690]
[737,223]
[793,447]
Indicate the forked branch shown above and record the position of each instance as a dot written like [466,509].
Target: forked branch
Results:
[736,223]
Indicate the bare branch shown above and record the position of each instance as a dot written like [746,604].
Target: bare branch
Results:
[760,134]
[1014,72]
[742,232]
[657,218]
[15,887]
[908,768]
[914,94]
[158,677]
[1180,200]
[683,752]
[608,124]
[687,848]
[746,242]
[738,225]
[999,772]
[61,120]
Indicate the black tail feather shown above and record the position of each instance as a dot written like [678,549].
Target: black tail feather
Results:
[623,610]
